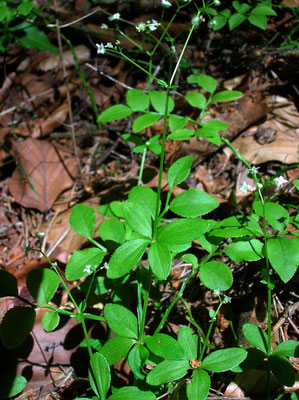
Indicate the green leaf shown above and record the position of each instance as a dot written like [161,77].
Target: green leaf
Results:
[216,275]
[50,320]
[217,125]
[4,11]
[236,20]
[258,20]
[189,341]
[182,231]
[244,249]
[289,348]
[16,325]
[144,196]
[196,99]
[137,100]
[220,20]
[8,284]
[275,214]
[37,39]
[82,220]
[83,263]
[165,346]
[179,171]
[115,112]
[261,9]
[112,230]
[167,371]
[224,359]
[116,348]
[205,81]
[126,257]
[158,100]
[236,226]
[137,358]
[282,369]
[11,384]
[144,121]
[255,336]
[210,134]
[177,122]
[296,184]
[181,134]
[25,7]
[159,260]
[200,385]
[227,95]
[42,284]
[190,258]
[132,393]
[117,208]
[193,203]
[100,367]
[138,218]
[284,256]
[121,320]
[252,361]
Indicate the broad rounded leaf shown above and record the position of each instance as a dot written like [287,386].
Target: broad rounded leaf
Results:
[189,341]
[126,257]
[205,81]
[216,275]
[144,121]
[237,226]
[182,230]
[35,38]
[217,125]
[284,256]
[196,99]
[258,20]
[16,325]
[112,230]
[181,134]
[82,220]
[289,348]
[282,369]
[167,371]
[115,112]
[50,320]
[200,385]
[42,284]
[121,320]
[227,95]
[131,393]
[144,196]
[11,385]
[193,203]
[224,359]
[255,336]
[236,20]
[138,218]
[210,134]
[165,346]
[158,100]
[137,358]
[102,375]
[116,348]
[275,214]
[244,249]
[159,260]
[8,284]
[137,100]
[179,171]
[83,263]
[252,361]
[177,122]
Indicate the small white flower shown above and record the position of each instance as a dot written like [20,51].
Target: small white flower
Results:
[109,45]
[87,269]
[100,48]
[195,20]
[114,17]
[260,185]
[153,25]
[117,42]
[217,2]
[280,181]
[213,23]
[226,299]
[106,265]
[254,169]
[141,26]
[40,235]
[216,292]
[104,26]
[165,3]
[245,187]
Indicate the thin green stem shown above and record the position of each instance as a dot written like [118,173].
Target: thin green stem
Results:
[145,304]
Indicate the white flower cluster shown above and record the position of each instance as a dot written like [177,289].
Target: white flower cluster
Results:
[280,181]
[245,187]
[101,48]
[165,3]
[114,17]
[152,26]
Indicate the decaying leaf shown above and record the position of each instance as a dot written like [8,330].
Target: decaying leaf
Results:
[39,162]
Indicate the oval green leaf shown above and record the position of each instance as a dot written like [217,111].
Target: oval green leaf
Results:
[189,342]
[50,321]
[216,275]
[158,100]
[165,346]
[8,284]
[196,99]
[42,284]
[193,203]
[244,249]
[116,348]
[144,121]
[224,359]
[11,385]
[137,100]
[167,371]
[159,260]
[227,95]
[83,262]
[101,371]
[284,256]
[130,393]
[82,220]
[115,112]
[179,171]
[121,320]
[200,385]
[255,336]
[138,218]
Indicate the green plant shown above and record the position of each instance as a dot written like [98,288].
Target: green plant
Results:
[143,236]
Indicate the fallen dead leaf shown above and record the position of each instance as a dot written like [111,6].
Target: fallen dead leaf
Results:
[39,161]
[55,119]
[82,54]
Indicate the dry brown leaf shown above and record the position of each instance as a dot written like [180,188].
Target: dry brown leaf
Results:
[55,119]
[40,161]
[82,53]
